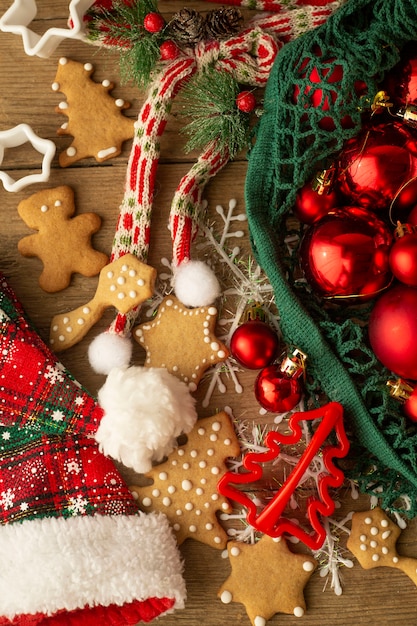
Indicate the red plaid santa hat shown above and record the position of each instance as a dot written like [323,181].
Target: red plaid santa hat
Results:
[75,549]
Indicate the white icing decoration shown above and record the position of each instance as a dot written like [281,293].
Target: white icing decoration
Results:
[166,501]
[187,485]
[213,437]
[214,346]
[63,61]
[395,559]
[58,203]
[368,520]
[201,431]
[86,310]
[385,550]
[189,506]
[215,470]
[217,539]
[298,611]
[119,102]
[193,454]
[88,67]
[106,82]
[235,551]
[80,321]
[44,208]
[374,531]
[308,566]
[102,154]
[386,534]
[186,466]
[363,538]
[363,547]
[192,528]
[212,311]
[226,597]
[132,294]
[259,621]
[208,525]
[132,273]
[375,557]
[71,151]
[121,295]
[55,86]
[140,282]
[181,452]
[216,426]
[146,502]
[171,489]
[384,523]
[110,274]
[176,527]
[63,105]
[163,475]
[156,493]
[374,544]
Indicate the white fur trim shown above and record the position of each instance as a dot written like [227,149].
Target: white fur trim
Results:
[52,564]
[195,284]
[145,410]
[109,350]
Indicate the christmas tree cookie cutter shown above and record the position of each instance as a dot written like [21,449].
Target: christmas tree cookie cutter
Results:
[22,12]
[269,520]
[17,136]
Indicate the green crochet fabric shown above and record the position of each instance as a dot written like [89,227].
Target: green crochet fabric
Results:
[363,39]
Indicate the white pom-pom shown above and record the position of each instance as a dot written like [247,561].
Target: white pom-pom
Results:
[145,410]
[195,284]
[108,351]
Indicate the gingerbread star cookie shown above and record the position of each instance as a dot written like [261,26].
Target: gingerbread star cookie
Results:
[95,118]
[373,542]
[185,486]
[63,242]
[182,340]
[267,578]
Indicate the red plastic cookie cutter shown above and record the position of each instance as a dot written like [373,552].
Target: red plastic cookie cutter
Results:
[269,520]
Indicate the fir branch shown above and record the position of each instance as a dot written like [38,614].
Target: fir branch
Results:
[210,101]
[122,27]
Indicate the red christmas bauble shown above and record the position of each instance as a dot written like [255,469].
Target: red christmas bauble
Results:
[393,331]
[401,81]
[403,259]
[376,163]
[345,254]
[276,391]
[169,50]
[245,101]
[254,344]
[405,200]
[310,206]
[153,22]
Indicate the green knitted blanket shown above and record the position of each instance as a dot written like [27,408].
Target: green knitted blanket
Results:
[364,38]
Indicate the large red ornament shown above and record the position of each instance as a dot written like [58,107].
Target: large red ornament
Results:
[393,331]
[254,344]
[310,206]
[401,82]
[345,254]
[375,165]
[403,255]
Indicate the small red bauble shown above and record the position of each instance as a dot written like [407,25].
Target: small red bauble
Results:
[246,101]
[403,256]
[254,344]
[153,22]
[169,50]
[310,206]
[393,331]
[345,254]
[401,81]
[275,391]
[375,164]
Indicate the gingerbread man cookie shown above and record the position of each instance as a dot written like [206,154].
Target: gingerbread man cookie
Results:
[63,242]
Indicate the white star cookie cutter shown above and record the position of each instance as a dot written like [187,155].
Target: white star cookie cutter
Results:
[16,137]
[22,12]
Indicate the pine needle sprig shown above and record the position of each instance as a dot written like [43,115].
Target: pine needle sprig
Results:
[209,99]
[123,27]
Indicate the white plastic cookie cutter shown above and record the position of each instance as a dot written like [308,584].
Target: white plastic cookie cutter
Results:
[22,12]
[16,137]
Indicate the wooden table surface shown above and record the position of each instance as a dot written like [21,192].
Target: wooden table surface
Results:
[380,596]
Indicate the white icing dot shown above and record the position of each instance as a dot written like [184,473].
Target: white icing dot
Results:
[189,506]
[88,67]
[213,437]
[61,338]
[110,274]
[203,481]
[55,86]
[80,321]
[384,523]
[146,502]
[215,470]
[121,295]
[235,551]
[215,496]
[54,328]
[86,310]
[259,621]
[163,475]
[176,527]
[198,511]
[132,294]
[212,311]
[140,282]
[201,431]
[385,550]
[132,273]
[187,485]
[363,547]
[71,151]
[209,526]
[375,557]
[363,538]
[216,426]
[58,203]
[298,611]
[374,544]
[214,346]
[210,452]
[193,453]
[69,329]
[225,506]
[202,464]
[192,528]
[227,442]
[368,520]
[106,82]
[217,539]
[395,559]
[169,302]
[221,354]
[374,531]
[119,102]
[386,534]
[63,61]
[308,566]
[178,512]
[199,491]
[113,288]
[156,493]
[226,597]
[181,452]
[166,501]
[121,280]
[186,466]
[44,208]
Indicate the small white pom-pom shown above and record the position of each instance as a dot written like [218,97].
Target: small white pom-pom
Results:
[195,284]
[109,350]
[145,410]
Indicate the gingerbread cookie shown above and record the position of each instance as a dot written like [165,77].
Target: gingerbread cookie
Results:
[182,340]
[373,542]
[185,486]
[95,118]
[63,242]
[267,578]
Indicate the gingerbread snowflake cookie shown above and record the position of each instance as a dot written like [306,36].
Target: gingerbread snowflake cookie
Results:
[95,118]
[63,242]
[185,486]
[267,578]
[182,339]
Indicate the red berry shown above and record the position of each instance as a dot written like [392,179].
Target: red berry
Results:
[169,50]
[246,101]
[153,22]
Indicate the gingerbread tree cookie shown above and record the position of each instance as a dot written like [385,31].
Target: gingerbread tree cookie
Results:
[267,578]
[63,242]
[185,486]
[182,340]
[95,118]
[373,541]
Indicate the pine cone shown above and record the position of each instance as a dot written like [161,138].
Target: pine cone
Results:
[187,27]
[221,23]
